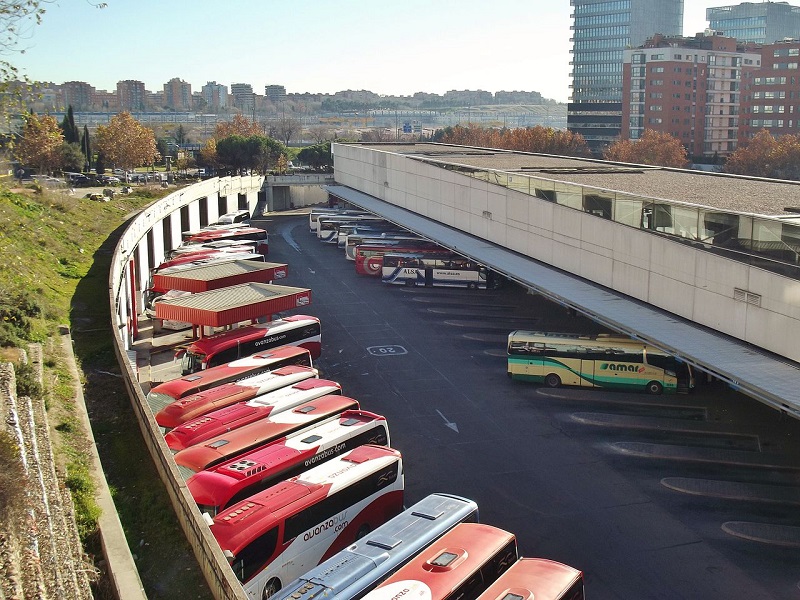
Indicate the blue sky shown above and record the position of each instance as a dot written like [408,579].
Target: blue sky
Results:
[314,45]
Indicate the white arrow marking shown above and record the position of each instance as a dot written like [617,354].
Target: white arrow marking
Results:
[452,426]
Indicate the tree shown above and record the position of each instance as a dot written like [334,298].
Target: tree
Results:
[180,135]
[286,128]
[40,144]
[766,156]
[100,164]
[377,134]
[68,127]
[317,156]
[126,143]
[320,133]
[72,158]
[256,153]
[240,125]
[86,147]
[208,155]
[653,148]
[544,140]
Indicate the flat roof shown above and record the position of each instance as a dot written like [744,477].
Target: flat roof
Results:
[771,379]
[720,191]
[229,305]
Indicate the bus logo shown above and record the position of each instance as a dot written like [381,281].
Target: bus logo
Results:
[280,274]
[621,367]
[303,301]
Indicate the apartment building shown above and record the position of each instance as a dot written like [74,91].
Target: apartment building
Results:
[178,94]
[689,88]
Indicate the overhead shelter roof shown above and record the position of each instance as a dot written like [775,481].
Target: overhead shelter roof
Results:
[216,275]
[229,305]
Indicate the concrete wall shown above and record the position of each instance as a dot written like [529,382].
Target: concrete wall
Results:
[693,284]
[122,293]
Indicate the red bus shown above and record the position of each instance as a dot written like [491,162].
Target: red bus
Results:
[195,405]
[369,257]
[238,233]
[229,445]
[277,535]
[234,480]
[249,245]
[203,253]
[214,350]
[460,565]
[537,578]
[169,391]
[226,419]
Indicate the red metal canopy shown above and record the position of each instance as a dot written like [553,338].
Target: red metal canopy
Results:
[213,276]
[226,306]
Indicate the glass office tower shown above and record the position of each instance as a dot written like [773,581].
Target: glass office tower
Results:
[602,29]
[762,23]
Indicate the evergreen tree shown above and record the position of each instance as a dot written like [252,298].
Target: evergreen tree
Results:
[100,164]
[86,147]
[68,127]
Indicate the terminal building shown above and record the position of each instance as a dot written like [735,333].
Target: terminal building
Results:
[704,266]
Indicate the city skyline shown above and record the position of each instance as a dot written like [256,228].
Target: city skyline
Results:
[408,51]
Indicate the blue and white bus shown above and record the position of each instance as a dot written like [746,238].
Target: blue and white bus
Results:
[436,270]
[360,567]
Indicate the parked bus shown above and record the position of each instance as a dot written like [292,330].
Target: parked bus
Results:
[359,229]
[383,239]
[223,420]
[599,360]
[236,245]
[460,565]
[436,270]
[237,233]
[369,257]
[234,443]
[232,481]
[328,226]
[170,391]
[214,350]
[196,405]
[317,212]
[358,568]
[279,534]
[539,579]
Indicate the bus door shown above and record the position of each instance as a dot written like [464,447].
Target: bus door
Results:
[587,373]
[429,276]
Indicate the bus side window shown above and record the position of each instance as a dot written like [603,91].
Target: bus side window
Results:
[251,559]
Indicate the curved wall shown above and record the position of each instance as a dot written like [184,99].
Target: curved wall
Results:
[146,240]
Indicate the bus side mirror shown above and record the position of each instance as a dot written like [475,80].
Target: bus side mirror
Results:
[179,354]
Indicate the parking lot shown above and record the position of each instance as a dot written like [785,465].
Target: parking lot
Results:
[651,496]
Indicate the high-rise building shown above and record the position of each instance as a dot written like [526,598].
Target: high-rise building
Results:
[275,92]
[760,23]
[771,92]
[689,88]
[216,95]
[130,95]
[78,95]
[178,94]
[602,29]
[243,97]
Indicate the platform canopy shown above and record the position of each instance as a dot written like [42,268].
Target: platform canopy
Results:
[229,305]
[216,275]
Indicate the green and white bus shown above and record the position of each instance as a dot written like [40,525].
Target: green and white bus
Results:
[598,360]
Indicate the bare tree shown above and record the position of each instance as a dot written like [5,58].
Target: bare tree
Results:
[320,133]
[286,128]
[379,134]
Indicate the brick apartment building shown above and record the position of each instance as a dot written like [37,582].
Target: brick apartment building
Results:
[771,93]
[688,87]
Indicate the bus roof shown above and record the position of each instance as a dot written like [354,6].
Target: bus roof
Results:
[233,443]
[237,415]
[537,578]
[243,521]
[217,485]
[365,563]
[429,566]
[200,403]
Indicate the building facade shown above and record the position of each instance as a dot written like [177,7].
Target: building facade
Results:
[760,23]
[771,93]
[178,95]
[602,30]
[243,97]
[78,94]
[689,88]
[274,92]
[131,95]
[215,95]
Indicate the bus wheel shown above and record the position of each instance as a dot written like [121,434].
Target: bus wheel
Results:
[471,285]
[654,388]
[410,282]
[552,380]
[273,587]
